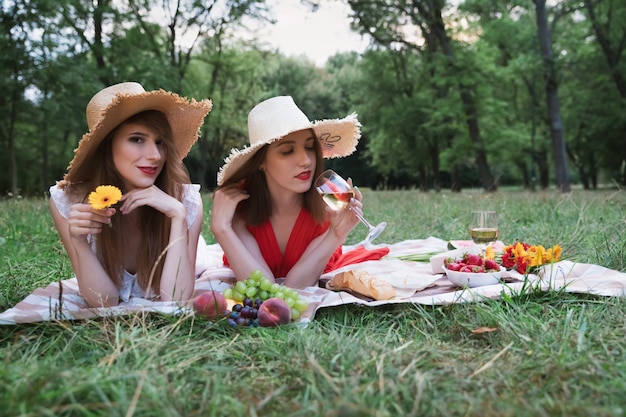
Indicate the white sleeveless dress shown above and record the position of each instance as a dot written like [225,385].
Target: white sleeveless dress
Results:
[130,286]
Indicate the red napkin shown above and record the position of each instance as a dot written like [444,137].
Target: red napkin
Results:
[355,256]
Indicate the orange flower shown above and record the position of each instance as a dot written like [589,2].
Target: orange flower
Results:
[104,196]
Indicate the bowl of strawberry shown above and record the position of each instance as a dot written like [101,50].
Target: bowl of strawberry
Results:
[472,271]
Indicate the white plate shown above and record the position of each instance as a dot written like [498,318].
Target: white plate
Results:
[474,279]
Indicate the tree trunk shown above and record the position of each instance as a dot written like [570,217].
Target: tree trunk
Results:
[455,179]
[544,170]
[552,98]
[523,169]
[11,139]
[434,160]
[98,47]
[45,163]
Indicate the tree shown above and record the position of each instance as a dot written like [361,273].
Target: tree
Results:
[165,39]
[515,114]
[389,22]
[232,77]
[16,22]
[611,39]
[61,52]
[552,97]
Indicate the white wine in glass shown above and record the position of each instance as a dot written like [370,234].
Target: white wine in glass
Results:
[484,227]
[337,201]
[336,193]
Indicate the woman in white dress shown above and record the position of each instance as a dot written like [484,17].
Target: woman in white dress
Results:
[145,245]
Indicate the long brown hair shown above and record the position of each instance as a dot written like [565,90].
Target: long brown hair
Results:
[154,226]
[258,207]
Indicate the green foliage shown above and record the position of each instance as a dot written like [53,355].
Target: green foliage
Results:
[406,88]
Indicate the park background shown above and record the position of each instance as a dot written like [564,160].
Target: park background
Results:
[451,94]
[456,97]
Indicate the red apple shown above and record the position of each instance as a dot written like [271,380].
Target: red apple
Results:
[210,304]
[273,312]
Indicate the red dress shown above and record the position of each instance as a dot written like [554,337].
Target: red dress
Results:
[304,231]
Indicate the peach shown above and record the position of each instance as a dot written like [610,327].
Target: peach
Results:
[274,312]
[210,304]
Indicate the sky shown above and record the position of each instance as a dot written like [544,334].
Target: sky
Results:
[318,35]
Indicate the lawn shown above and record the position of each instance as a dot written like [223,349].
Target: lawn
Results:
[548,353]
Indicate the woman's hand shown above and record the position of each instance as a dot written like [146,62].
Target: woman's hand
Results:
[154,197]
[84,220]
[225,201]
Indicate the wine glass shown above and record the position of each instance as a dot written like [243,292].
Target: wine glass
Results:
[484,228]
[336,193]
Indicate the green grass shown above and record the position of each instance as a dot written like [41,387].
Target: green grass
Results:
[551,353]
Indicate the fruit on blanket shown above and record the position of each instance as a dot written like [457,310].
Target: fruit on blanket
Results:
[246,298]
[471,263]
[274,312]
[210,304]
[245,314]
[258,287]
[472,259]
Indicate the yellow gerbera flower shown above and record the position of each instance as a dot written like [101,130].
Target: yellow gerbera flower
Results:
[104,196]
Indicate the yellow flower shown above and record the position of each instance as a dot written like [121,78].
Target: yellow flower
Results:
[536,256]
[518,250]
[554,254]
[104,196]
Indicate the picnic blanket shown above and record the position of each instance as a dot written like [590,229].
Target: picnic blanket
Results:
[414,282]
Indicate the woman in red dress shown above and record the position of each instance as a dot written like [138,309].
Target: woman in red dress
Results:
[266,214]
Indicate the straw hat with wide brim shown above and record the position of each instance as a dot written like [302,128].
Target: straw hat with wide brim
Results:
[279,116]
[113,105]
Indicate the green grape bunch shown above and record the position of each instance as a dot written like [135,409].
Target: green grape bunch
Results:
[257,286]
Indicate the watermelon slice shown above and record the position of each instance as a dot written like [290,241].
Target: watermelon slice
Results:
[498,246]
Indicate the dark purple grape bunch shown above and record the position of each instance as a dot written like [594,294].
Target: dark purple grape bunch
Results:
[245,314]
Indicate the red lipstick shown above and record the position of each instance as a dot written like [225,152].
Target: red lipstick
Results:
[304,175]
[148,170]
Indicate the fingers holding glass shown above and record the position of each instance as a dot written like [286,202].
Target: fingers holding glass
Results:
[337,193]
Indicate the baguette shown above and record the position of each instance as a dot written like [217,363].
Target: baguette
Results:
[362,282]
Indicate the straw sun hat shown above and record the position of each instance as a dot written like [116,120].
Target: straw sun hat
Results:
[113,105]
[277,117]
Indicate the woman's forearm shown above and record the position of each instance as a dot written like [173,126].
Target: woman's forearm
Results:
[95,285]
[306,272]
[178,276]
[243,258]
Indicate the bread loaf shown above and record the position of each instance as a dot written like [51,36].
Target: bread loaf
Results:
[362,282]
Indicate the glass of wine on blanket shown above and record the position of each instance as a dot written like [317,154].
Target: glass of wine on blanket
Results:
[336,193]
[484,228]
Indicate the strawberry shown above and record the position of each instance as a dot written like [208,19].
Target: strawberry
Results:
[474,259]
[466,268]
[491,265]
[454,266]
[478,269]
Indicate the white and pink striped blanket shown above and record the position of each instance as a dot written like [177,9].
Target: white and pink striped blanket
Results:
[414,282]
